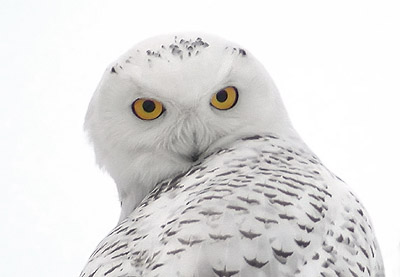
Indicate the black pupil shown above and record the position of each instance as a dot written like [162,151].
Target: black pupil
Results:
[222,96]
[149,106]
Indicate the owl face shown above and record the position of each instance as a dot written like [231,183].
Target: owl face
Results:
[173,99]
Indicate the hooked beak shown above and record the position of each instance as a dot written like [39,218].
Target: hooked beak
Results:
[195,156]
[191,138]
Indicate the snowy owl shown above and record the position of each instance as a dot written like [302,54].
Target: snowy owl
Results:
[212,177]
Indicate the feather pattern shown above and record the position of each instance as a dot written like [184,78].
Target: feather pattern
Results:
[261,207]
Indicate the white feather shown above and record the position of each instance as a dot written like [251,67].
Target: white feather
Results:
[138,154]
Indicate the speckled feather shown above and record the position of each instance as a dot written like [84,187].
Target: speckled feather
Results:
[206,192]
[262,207]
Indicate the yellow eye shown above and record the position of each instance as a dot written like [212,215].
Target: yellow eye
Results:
[147,109]
[225,98]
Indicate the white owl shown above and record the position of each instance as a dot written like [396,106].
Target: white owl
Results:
[213,179]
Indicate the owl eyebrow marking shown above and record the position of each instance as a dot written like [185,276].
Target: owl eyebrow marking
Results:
[223,73]
[226,69]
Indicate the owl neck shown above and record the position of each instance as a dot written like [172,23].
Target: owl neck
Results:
[136,177]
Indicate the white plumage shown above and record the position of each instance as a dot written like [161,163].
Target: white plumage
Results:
[213,179]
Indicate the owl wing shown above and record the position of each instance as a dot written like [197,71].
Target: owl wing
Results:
[262,207]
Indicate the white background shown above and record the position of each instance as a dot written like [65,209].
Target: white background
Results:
[337,65]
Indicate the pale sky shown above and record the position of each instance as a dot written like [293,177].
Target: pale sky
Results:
[336,63]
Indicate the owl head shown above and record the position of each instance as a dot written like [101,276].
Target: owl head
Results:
[173,99]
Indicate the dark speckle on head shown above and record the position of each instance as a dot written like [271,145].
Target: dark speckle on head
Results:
[176,51]
[153,53]
[180,47]
[237,51]
[242,52]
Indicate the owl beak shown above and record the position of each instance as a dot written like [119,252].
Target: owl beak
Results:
[189,136]
[195,156]
[195,152]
